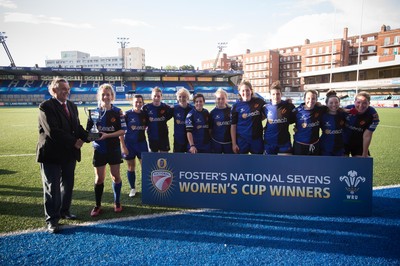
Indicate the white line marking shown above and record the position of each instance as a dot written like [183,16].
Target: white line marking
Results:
[388,126]
[16,155]
[124,219]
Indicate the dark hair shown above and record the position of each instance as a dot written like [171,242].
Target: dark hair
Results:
[138,96]
[198,95]
[330,94]
[248,84]
[312,91]
[364,94]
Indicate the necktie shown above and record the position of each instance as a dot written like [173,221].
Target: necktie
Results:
[65,109]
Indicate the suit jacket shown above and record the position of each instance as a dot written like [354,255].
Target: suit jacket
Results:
[58,133]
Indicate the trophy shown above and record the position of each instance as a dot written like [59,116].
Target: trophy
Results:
[94,116]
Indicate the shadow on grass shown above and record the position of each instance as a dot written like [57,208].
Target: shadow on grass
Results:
[7,172]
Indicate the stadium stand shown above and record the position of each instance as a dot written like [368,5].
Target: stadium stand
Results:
[29,86]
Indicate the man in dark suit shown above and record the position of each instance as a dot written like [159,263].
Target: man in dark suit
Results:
[60,138]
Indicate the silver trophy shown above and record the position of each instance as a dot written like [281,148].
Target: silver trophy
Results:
[94,116]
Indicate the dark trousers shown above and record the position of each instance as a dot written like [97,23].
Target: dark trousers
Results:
[58,183]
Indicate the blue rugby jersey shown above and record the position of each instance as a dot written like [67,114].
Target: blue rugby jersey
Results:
[248,116]
[331,140]
[157,116]
[220,124]
[358,123]
[180,114]
[307,124]
[197,122]
[111,121]
[279,117]
[136,125]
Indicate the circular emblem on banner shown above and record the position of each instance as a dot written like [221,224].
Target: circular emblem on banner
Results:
[162,163]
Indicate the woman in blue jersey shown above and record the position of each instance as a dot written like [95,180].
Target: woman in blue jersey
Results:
[332,125]
[246,121]
[279,116]
[197,127]
[158,114]
[107,149]
[308,116]
[180,112]
[360,125]
[133,143]
[220,124]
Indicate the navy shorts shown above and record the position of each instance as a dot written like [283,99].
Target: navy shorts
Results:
[159,145]
[135,150]
[112,157]
[217,147]
[180,147]
[306,149]
[254,146]
[275,148]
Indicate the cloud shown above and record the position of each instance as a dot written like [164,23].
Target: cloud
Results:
[41,19]
[131,22]
[239,43]
[8,4]
[207,29]
[318,26]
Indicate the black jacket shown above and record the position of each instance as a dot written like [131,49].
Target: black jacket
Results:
[58,133]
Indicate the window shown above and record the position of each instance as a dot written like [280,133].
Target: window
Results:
[385,51]
[371,38]
[396,39]
[386,41]
[371,49]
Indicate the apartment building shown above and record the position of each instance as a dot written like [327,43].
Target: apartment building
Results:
[130,58]
[293,62]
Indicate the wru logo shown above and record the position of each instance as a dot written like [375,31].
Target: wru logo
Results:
[352,181]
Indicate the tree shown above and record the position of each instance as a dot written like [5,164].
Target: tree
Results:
[187,67]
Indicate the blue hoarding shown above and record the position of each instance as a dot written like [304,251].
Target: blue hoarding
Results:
[287,184]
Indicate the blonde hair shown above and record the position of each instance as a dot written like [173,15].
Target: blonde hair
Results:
[183,91]
[55,83]
[221,91]
[156,89]
[102,88]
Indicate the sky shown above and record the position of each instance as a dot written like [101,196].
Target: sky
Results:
[179,32]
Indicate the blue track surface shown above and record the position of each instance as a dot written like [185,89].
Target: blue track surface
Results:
[220,237]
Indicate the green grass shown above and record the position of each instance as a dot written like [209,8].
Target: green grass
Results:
[21,196]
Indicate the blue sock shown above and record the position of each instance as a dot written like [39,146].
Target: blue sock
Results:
[117,191]
[131,178]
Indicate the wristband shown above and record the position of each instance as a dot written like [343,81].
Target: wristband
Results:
[192,145]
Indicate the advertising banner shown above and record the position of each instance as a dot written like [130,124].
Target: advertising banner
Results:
[289,184]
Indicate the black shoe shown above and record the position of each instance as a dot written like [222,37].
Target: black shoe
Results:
[68,216]
[53,228]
